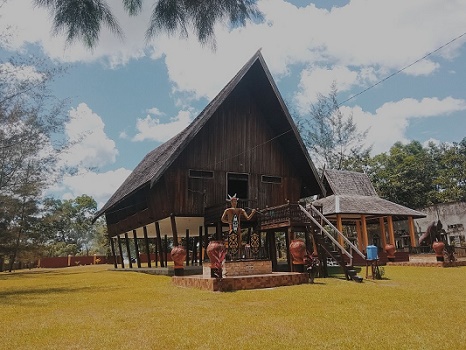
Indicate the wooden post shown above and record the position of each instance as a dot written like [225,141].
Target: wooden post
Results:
[187,247]
[165,254]
[288,254]
[218,232]
[358,231]
[112,246]
[121,252]
[391,232]
[382,232]
[272,249]
[174,230]
[340,228]
[411,231]
[128,251]
[146,240]
[201,249]
[159,244]
[136,248]
[364,231]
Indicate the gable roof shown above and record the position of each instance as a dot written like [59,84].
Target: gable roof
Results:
[156,162]
[349,182]
[352,193]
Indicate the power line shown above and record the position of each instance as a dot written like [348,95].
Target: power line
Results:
[402,69]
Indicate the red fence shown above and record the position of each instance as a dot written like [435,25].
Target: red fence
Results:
[65,261]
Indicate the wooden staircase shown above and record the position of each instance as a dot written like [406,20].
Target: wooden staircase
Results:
[328,246]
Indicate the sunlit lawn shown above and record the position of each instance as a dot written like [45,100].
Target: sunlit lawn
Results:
[92,307]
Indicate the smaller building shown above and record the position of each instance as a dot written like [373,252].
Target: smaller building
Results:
[352,201]
[453,219]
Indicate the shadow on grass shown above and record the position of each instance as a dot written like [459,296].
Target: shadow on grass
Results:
[20,296]
[35,272]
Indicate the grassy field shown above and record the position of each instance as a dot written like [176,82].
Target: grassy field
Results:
[92,307]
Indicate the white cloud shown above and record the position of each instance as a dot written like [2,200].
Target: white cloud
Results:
[90,145]
[389,122]
[100,186]
[153,129]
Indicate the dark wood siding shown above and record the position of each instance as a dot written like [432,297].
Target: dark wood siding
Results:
[237,138]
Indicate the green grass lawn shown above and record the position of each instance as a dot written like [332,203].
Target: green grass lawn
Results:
[91,307]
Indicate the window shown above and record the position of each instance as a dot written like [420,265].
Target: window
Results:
[239,184]
[201,174]
[271,179]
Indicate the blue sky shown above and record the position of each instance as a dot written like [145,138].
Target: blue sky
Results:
[127,96]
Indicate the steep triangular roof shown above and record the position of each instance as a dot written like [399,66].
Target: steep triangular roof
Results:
[348,182]
[156,162]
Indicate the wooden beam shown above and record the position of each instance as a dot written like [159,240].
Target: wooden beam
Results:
[340,228]
[412,238]
[146,241]
[136,248]
[187,247]
[121,252]
[159,244]
[382,232]
[364,231]
[128,251]
[112,246]
[174,230]
[358,232]
[391,232]
[201,246]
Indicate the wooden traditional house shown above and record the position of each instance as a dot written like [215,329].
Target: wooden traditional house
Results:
[244,142]
[351,200]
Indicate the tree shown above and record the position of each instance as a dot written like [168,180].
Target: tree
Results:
[450,180]
[405,175]
[28,152]
[332,138]
[67,226]
[83,19]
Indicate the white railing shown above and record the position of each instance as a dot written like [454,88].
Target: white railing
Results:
[353,247]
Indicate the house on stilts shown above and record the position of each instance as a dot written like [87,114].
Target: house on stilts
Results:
[244,142]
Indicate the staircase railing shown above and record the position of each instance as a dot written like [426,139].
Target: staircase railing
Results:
[343,250]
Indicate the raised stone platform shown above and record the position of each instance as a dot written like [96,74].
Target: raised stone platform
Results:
[242,268]
[271,280]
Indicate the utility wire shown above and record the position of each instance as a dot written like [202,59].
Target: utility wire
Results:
[402,69]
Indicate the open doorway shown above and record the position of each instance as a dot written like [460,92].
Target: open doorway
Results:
[238,183]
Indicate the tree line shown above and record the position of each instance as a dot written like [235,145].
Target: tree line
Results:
[32,121]
[412,175]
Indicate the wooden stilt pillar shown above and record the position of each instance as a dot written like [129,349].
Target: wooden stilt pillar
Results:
[288,254]
[391,232]
[358,232]
[412,237]
[272,249]
[340,228]
[159,244]
[218,232]
[128,251]
[383,235]
[364,231]
[174,230]
[165,250]
[201,246]
[112,246]
[187,247]
[146,241]
[121,252]
[136,248]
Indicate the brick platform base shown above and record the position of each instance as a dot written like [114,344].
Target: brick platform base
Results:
[275,279]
